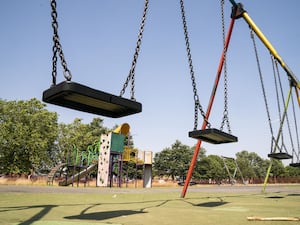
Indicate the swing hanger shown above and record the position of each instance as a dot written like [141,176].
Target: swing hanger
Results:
[208,134]
[296,153]
[278,151]
[240,12]
[80,97]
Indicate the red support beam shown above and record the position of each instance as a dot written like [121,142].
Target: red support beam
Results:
[210,104]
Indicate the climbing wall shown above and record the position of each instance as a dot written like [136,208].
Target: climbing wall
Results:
[103,162]
[110,143]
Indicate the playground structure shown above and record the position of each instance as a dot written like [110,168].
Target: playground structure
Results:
[214,136]
[79,97]
[107,157]
[143,160]
[112,154]
[52,173]
[232,175]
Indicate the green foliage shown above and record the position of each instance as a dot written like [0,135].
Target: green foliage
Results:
[251,165]
[79,134]
[211,167]
[292,171]
[131,171]
[28,134]
[173,162]
[32,139]
[277,169]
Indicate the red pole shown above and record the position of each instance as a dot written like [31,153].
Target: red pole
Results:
[211,100]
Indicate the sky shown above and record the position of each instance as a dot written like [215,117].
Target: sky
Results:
[99,37]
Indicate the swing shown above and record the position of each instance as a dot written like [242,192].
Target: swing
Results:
[277,152]
[80,97]
[295,164]
[280,155]
[296,154]
[210,135]
[231,176]
[213,136]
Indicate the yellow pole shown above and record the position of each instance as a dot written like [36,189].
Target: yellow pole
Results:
[267,177]
[294,81]
[283,118]
[263,38]
[297,94]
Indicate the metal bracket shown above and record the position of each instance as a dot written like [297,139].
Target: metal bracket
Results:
[237,11]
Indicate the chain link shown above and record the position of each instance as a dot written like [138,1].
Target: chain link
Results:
[297,134]
[54,65]
[262,82]
[225,113]
[279,83]
[57,48]
[131,75]
[188,50]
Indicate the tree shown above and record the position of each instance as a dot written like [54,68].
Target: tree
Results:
[277,169]
[292,171]
[212,167]
[251,165]
[78,135]
[173,161]
[28,134]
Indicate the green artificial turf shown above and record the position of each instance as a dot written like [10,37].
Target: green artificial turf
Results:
[147,208]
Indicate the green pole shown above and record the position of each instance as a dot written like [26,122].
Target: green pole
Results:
[283,118]
[267,177]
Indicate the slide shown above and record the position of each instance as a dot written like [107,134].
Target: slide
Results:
[52,173]
[77,176]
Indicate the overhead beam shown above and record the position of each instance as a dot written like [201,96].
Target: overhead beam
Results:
[239,12]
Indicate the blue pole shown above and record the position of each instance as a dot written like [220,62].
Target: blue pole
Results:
[233,2]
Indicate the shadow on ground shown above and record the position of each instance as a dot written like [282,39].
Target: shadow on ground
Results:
[104,215]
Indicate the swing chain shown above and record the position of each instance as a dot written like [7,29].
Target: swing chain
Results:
[196,97]
[136,55]
[277,73]
[225,113]
[57,48]
[262,82]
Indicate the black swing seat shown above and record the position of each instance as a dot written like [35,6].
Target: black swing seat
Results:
[295,164]
[79,97]
[213,136]
[280,155]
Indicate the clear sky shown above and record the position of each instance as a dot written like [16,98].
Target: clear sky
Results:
[99,38]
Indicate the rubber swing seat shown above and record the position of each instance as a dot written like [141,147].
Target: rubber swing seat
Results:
[213,136]
[79,97]
[280,155]
[295,164]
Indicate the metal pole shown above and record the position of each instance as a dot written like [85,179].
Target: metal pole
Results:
[282,119]
[267,177]
[294,81]
[198,145]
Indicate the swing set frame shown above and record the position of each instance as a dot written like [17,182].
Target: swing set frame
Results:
[239,12]
[79,97]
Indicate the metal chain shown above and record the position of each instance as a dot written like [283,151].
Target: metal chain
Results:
[54,64]
[261,81]
[57,48]
[276,73]
[136,55]
[196,97]
[225,113]
[297,134]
